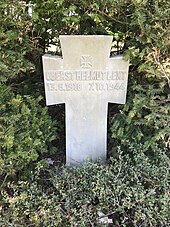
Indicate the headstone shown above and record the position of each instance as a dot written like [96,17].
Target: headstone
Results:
[86,79]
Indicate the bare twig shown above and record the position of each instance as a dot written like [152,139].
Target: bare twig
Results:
[88,217]
[111,18]
[4,180]
[63,211]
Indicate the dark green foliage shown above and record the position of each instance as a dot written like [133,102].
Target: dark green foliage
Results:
[141,31]
[132,190]
[26,131]
[146,116]
[16,40]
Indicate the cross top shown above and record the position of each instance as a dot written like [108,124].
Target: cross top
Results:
[82,51]
[86,79]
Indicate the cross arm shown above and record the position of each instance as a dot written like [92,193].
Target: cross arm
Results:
[118,79]
[52,69]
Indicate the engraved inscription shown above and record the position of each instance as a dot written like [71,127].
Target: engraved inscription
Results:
[86,61]
[85,80]
[64,87]
[106,86]
[54,75]
[89,75]
[68,75]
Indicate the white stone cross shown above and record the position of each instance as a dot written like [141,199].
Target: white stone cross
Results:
[86,79]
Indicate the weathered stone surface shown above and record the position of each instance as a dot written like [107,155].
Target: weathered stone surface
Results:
[86,79]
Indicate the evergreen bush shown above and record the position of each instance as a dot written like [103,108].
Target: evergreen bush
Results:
[26,131]
[140,30]
[131,190]
[17,41]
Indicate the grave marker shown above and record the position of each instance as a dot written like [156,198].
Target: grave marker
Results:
[86,79]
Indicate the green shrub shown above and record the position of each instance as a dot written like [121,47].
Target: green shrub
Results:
[145,116]
[16,39]
[131,190]
[140,30]
[26,131]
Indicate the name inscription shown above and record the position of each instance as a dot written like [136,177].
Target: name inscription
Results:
[76,80]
